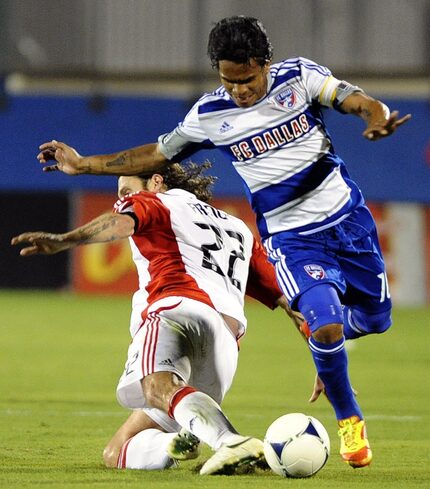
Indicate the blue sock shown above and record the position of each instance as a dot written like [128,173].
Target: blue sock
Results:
[332,366]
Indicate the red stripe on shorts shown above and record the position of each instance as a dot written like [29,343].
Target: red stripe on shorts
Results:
[150,344]
[152,323]
[122,458]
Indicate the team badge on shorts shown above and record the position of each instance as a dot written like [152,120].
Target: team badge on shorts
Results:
[287,98]
[315,271]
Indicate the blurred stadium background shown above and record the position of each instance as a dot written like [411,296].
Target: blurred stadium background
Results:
[104,75]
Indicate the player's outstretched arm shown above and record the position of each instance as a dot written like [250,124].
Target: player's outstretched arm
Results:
[134,161]
[107,227]
[295,316]
[380,121]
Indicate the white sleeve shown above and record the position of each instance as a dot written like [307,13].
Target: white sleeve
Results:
[186,132]
[322,86]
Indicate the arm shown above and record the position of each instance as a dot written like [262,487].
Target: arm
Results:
[262,284]
[142,159]
[328,91]
[380,121]
[295,316]
[148,158]
[107,227]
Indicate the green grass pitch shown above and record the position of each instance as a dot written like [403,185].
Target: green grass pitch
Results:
[61,355]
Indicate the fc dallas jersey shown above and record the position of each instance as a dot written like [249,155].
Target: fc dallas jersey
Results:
[184,247]
[280,147]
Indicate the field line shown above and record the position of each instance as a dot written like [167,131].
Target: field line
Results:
[30,412]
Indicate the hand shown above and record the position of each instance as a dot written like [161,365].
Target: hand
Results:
[319,388]
[40,243]
[296,316]
[68,159]
[381,129]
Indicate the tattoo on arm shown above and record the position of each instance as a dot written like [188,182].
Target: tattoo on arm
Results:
[120,161]
[93,229]
[366,114]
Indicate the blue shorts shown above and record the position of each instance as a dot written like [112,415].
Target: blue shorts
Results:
[346,255]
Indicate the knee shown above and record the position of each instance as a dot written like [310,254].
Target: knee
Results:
[329,333]
[325,320]
[373,323]
[322,310]
[110,456]
[152,391]
[159,387]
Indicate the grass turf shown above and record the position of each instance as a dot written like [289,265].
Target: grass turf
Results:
[61,356]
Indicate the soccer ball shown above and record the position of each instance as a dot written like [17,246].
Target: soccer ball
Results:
[296,445]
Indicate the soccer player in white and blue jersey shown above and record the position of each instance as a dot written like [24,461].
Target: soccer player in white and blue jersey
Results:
[311,216]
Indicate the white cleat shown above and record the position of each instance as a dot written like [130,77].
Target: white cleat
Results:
[245,451]
[184,446]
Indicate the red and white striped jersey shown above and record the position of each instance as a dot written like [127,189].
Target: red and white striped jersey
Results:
[185,247]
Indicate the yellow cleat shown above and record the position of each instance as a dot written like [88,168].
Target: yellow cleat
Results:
[354,445]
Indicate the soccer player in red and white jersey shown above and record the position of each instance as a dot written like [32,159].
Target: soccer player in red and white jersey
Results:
[195,263]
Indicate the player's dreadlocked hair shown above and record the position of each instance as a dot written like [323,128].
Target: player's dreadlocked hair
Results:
[189,176]
[239,39]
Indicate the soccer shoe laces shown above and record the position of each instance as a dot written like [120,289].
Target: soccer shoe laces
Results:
[348,435]
[354,446]
[351,433]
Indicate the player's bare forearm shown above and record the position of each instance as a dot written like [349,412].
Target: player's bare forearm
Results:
[134,161]
[107,227]
[380,121]
[295,316]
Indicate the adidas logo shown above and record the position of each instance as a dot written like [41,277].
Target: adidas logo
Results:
[192,421]
[166,362]
[225,126]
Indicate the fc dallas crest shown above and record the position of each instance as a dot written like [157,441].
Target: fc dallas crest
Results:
[287,98]
[315,271]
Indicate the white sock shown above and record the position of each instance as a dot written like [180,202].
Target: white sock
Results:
[202,416]
[146,451]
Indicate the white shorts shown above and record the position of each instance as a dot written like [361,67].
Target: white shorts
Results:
[182,336]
